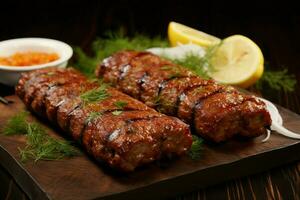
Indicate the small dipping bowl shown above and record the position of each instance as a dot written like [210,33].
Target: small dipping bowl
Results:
[9,75]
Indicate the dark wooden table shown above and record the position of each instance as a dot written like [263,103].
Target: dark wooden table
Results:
[279,183]
[275,27]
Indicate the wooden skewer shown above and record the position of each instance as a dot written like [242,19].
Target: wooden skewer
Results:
[5,101]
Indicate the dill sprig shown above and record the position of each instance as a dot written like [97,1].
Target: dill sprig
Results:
[95,95]
[277,80]
[39,145]
[16,125]
[196,148]
[176,72]
[210,52]
[92,116]
[104,47]
[174,75]
[193,63]
[117,112]
[199,65]
[166,67]
[84,63]
[120,104]
[113,42]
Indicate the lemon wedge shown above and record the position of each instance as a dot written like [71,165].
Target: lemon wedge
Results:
[238,61]
[181,34]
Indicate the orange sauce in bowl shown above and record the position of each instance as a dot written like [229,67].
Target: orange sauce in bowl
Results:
[28,58]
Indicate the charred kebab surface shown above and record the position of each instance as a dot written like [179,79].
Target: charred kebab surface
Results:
[111,126]
[216,112]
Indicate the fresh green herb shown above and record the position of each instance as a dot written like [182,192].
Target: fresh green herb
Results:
[277,80]
[175,75]
[113,42]
[104,47]
[176,72]
[162,104]
[51,73]
[195,151]
[199,65]
[16,124]
[156,100]
[120,104]
[97,80]
[209,55]
[92,116]
[95,95]
[193,63]
[84,63]
[39,144]
[166,67]
[117,112]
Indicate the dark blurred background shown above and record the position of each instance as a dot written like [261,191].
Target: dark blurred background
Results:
[275,27]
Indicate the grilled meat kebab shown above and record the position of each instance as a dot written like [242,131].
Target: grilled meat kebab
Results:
[215,111]
[111,126]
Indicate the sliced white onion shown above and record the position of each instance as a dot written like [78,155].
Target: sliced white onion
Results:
[277,123]
[179,52]
[267,137]
[281,130]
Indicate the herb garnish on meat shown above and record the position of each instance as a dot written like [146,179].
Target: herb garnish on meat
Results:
[117,112]
[92,116]
[120,104]
[95,95]
[104,47]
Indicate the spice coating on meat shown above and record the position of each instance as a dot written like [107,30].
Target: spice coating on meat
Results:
[116,129]
[173,90]
[119,144]
[216,112]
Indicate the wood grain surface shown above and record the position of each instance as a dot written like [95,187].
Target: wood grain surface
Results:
[274,26]
[82,178]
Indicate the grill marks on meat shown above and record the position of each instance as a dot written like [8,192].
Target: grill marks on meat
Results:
[118,143]
[192,97]
[156,80]
[216,112]
[221,108]
[78,117]
[115,66]
[136,135]
[173,91]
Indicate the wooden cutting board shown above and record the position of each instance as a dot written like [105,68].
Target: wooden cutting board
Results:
[82,178]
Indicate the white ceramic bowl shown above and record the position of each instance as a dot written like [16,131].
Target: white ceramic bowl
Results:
[9,75]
